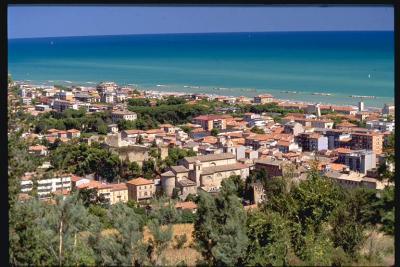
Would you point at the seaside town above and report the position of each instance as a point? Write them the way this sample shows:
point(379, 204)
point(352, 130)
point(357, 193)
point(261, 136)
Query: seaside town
point(122, 144)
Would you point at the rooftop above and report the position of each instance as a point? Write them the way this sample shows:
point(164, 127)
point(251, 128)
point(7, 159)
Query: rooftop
point(224, 168)
point(210, 157)
point(140, 181)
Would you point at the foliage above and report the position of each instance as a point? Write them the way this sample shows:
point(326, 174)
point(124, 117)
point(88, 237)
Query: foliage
point(257, 130)
point(220, 227)
point(82, 159)
point(180, 241)
point(175, 154)
point(269, 240)
point(214, 132)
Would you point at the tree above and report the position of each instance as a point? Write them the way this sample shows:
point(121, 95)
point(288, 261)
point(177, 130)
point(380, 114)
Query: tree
point(121, 245)
point(257, 130)
point(90, 197)
point(220, 227)
point(269, 239)
point(239, 185)
point(63, 222)
point(161, 236)
point(214, 132)
point(347, 232)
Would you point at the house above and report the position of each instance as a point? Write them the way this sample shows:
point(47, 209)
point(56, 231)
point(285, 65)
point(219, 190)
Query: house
point(209, 122)
point(293, 128)
point(263, 99)
point(187, 205)
point(140, 189)
point(118, 193)
point(112, 128)
point(116, 116)
point(38, 150)
point(73, 133)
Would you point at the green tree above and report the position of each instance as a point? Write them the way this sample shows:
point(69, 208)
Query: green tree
point(257, 130)
point(122, 244)
point(269, 239)
point(214, 132)
point(347, 232)
point(220, 227)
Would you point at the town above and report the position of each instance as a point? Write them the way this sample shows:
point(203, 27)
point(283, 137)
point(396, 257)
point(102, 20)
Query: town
point(348, 142)
point(120, 144)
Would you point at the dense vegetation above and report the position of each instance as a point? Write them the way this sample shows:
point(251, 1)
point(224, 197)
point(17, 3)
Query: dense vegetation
point(312, 223)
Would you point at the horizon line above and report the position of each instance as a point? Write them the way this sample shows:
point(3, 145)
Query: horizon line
point(183, 33)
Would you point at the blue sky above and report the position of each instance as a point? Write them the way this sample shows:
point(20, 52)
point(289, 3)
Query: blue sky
point(52, 21)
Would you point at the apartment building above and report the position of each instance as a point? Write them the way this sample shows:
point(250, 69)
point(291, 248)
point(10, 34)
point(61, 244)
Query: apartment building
point(358, 161)
point(312, 141)
point(209, 122)
point(61, 105)
point(369, 141)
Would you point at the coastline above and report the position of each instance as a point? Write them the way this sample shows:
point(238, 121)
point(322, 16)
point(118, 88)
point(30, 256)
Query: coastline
point(213, 92)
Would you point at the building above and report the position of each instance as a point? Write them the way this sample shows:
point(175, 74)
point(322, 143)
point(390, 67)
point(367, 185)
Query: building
point(73, 133)
point(361, 106)
point(273, 167)
point(42, 107)
point(38, 150)
point(293, 128)
point(140, 189)
point(47, 186)
point(210, 178)
point(106, 87)
point(112, 128)
point(388, 109)
point(369, 141)
point(350, 180)
point(209, 122)
point(358, 161)
point(312, 141)
point(108, 97)
point(66, 95)
point(258, 193)
point(61, 105)
point(116, 116)
point(118, 193)
point(381, 125)
point(263, 99)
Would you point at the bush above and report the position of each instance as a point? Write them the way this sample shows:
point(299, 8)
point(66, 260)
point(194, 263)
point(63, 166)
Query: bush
point(180, 241)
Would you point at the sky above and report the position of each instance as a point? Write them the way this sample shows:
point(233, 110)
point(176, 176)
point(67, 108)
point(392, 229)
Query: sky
point(56, 21)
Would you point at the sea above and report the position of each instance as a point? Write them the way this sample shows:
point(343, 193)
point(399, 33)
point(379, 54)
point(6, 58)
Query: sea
point(289, 65)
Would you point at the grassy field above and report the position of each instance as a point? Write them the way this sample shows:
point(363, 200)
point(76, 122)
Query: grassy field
point(379, 248)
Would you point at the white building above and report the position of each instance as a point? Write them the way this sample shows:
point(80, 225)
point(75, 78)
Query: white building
point(46, 186)
point(123, 115)
point(381, 125)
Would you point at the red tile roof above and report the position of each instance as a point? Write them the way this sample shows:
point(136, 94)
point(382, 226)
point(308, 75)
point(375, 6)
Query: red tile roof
point(140, 181)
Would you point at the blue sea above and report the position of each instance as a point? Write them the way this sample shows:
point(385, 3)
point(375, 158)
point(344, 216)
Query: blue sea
point(288, 65)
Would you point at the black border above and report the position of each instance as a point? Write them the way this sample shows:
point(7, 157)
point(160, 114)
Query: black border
point(4, 253)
